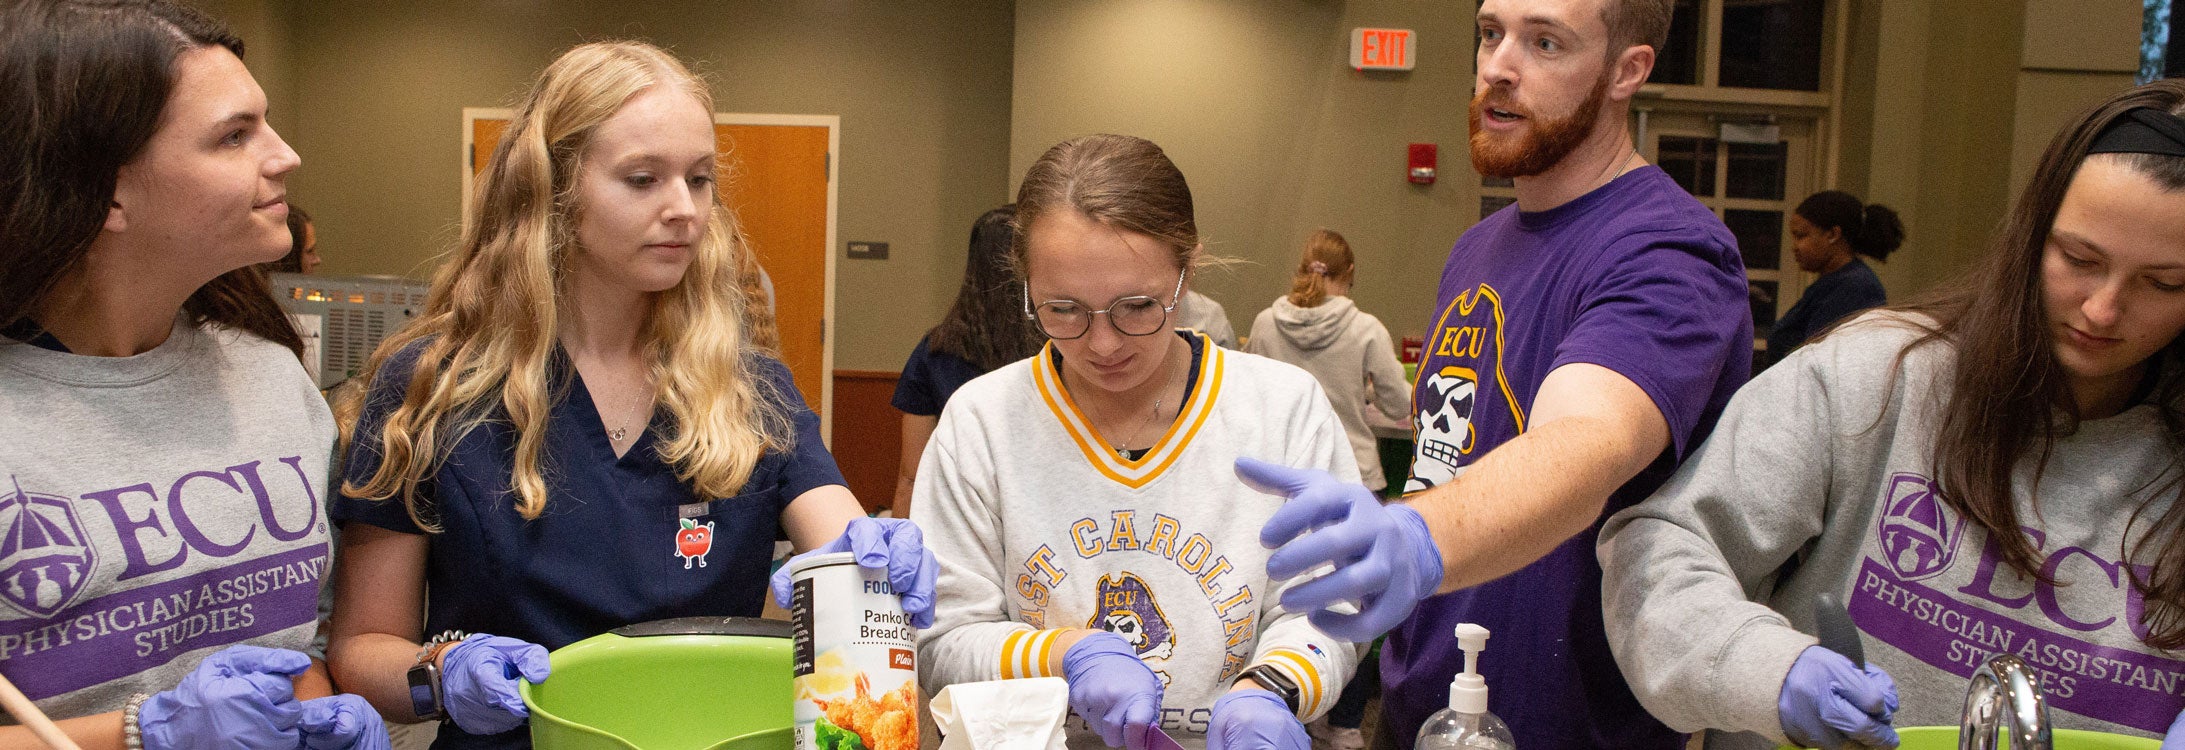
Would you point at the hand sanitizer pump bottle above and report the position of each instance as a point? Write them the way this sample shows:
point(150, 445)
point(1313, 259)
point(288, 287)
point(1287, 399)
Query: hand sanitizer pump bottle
point(1465, 724)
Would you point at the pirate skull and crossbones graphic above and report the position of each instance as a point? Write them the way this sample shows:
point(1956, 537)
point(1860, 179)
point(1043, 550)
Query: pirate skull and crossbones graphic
point(1444, 426)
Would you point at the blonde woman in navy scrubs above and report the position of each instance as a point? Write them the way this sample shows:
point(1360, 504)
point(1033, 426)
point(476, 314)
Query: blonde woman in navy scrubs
point(577, 434)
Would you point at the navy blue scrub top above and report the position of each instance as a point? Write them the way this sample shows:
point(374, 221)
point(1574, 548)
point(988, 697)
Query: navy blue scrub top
point(929, 378)
point(604, 552)
point(1837, 295)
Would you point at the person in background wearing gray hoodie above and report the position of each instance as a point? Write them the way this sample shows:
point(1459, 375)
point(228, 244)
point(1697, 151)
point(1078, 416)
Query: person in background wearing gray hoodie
point(1201, 313)
point(1318, 328)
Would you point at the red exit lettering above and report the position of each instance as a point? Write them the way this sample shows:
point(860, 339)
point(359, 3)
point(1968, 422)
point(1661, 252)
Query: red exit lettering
point(1382, 49)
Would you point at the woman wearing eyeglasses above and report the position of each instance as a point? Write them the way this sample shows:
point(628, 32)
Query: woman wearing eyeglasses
point(1083, 503)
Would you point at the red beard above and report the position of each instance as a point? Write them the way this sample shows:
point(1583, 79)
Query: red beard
point(1539, 147)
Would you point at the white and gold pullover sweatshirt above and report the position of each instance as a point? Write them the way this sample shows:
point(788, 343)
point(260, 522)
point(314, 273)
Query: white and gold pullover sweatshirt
point(1041, 528)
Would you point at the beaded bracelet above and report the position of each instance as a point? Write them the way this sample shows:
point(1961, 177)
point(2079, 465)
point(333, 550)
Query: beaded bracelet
point(132, 735)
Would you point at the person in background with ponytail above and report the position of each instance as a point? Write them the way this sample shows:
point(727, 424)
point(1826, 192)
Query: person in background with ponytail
point(1318, 328)
point(1831, 229)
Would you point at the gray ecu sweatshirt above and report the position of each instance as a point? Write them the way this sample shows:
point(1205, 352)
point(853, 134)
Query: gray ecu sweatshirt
point(155, 509)
point(1819, 479)
point(1348, 351)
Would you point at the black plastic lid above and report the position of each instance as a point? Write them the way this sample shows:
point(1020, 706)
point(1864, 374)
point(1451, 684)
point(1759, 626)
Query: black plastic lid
point(744, 626)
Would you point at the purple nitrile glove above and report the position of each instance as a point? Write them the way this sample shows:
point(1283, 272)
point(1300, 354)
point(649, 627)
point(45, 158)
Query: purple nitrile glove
point(241, 696)
point(892, 543)
point(1112, 689)
point(478, 682)
point(2175, 738)
point(1384, 557)
point(1827, 702)
point(1254, 719)
point(342, 722)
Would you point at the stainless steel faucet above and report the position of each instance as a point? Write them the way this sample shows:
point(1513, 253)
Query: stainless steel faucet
point(2004, 686)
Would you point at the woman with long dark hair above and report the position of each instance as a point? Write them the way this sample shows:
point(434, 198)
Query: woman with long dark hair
point(161, 533)
point(1994, 470)
point(1830, 230)
point(983, 331)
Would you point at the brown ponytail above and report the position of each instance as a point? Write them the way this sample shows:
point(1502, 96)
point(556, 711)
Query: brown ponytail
point(1327, 258)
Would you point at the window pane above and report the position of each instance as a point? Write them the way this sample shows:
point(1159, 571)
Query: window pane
point(1691, 162)
point(1763, 298)
point(1489, 204)
point(1759, 236)
point(1756, 170)
point(1772, 44)
point(1679, 61)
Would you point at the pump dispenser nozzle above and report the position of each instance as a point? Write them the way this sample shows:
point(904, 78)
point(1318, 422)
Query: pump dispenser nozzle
point(1466, 724)
point(1468, 692)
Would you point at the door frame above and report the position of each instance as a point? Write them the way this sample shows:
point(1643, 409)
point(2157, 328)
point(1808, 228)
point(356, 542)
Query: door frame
point(1790, 281)
point(833, 124)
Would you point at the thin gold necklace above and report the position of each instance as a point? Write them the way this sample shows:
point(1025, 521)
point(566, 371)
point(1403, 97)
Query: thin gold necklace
point(619, 433)
point(1122, 449)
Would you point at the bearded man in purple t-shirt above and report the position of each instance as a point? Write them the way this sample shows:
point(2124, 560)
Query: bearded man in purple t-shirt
point(1582, 342)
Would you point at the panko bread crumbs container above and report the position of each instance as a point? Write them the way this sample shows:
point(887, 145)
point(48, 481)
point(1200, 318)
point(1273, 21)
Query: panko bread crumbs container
point(856, 660)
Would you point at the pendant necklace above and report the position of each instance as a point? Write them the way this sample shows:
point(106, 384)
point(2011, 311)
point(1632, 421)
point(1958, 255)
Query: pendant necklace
point(617, 434)
point(1123, 452)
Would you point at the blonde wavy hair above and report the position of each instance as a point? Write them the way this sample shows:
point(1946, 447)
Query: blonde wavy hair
point(490, 323)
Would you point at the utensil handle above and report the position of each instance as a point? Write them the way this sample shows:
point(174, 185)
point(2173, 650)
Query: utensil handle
point(19, 706)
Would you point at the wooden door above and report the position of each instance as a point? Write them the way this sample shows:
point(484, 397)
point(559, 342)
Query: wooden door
point(775, 179)
point(777, 176)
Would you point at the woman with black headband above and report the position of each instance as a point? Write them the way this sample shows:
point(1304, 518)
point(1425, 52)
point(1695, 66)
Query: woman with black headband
point(1995, 469)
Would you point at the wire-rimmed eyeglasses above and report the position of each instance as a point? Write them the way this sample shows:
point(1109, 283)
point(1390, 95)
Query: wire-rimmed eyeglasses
point(1136, 315)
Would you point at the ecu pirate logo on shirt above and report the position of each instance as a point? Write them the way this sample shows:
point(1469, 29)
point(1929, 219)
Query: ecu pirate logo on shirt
point(1127, 609)
point(1463, 362)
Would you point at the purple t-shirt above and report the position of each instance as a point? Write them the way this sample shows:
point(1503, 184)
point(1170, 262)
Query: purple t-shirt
point(1637, 277)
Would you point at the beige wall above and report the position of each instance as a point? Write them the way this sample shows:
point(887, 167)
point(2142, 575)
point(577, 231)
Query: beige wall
point(945, 104)
point(922, 89)
point(1276, 134)
point(1952, 101)
point(2075, 55)
point(1929, 111)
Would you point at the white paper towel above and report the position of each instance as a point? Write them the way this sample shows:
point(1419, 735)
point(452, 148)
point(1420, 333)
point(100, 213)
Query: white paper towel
point(1003, 714)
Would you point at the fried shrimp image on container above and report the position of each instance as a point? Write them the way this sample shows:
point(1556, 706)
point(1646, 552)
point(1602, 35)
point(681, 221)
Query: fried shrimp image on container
point(890, 723)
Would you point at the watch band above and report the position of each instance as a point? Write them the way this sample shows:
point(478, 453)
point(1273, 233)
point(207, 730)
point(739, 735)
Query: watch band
point(424, 676)
point(431, 649)
point(1274, 681)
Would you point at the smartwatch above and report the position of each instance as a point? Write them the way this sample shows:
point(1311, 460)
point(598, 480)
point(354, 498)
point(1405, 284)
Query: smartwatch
point(1273, 681)
point(425, 699)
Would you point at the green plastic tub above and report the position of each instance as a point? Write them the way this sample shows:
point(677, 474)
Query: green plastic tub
point(1945, 738)
point(694, 683)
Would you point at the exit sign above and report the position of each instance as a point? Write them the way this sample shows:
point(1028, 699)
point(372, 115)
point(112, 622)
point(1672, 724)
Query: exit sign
point(1383, 49)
